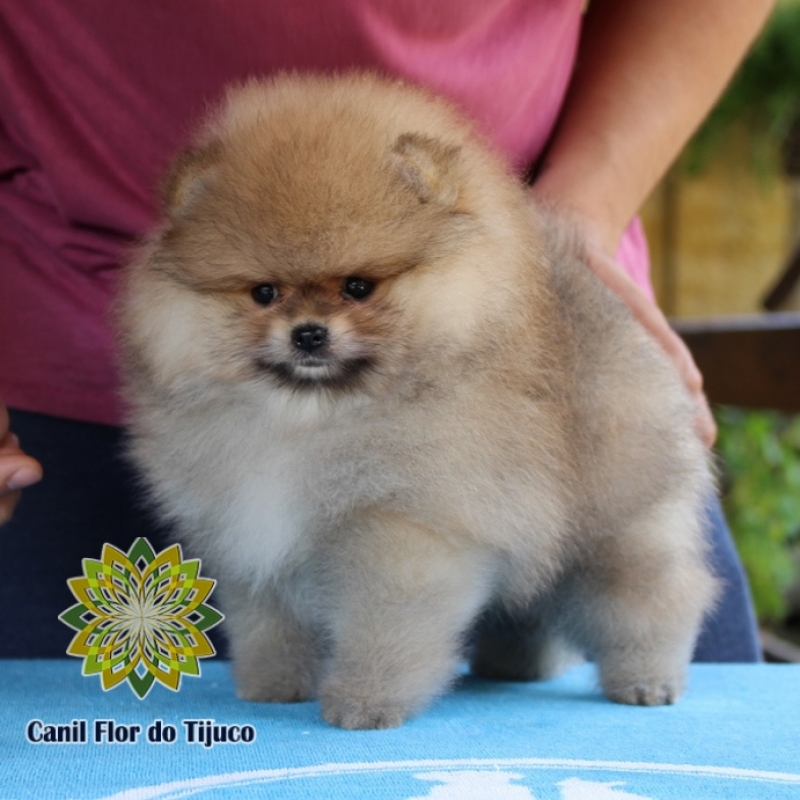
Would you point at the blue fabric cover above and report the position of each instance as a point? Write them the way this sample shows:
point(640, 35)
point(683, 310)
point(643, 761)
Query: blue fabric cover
point(736, 734)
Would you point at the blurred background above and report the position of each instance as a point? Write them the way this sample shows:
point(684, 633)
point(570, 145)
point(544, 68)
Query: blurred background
point(724, 232)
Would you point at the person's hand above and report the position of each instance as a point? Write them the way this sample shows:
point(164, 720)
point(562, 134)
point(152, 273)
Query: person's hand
point(17, 470)
point(600, 242)
point(651, 317)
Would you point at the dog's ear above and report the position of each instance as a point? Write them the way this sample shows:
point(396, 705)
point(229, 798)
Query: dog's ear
point(189, 176)
point(428, 166)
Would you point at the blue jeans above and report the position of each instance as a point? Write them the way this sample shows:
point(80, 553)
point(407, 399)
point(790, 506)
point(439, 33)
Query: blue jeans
point(88, 497)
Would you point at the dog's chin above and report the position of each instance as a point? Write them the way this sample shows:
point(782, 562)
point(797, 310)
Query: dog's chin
point(319, 374)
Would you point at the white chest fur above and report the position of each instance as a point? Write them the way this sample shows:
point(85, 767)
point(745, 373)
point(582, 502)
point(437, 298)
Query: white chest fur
point(240, 477)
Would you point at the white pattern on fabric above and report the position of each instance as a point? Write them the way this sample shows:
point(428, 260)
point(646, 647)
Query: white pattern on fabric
point(474, 785)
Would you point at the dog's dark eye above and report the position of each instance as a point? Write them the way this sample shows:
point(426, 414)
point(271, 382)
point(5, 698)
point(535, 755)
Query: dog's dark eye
point(264, 294)
point(357, 288)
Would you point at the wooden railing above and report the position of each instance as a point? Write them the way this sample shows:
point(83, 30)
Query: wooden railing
point(751, 361)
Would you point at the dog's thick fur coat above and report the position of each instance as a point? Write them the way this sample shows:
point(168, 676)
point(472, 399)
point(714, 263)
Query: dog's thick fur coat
point(485, 441)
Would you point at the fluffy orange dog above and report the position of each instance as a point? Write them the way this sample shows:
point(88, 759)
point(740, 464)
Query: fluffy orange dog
point(379, 392)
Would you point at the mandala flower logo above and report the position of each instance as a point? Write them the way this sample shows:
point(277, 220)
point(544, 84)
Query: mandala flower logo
point(141, 617)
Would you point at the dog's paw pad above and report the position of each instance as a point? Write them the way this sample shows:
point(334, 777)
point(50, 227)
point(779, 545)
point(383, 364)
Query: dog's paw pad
point(361, 713)
point(362, 719)
point(645, 693)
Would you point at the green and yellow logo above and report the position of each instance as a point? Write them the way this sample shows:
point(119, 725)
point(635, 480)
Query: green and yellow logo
point(141, 617)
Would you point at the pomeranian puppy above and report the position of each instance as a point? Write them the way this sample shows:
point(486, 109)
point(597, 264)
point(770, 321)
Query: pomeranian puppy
point(380, 393)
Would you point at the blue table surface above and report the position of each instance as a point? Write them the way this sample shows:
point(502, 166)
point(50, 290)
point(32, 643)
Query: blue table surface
point(735, 734)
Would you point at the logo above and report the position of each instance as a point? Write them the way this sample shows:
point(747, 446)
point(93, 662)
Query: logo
point(141, 617)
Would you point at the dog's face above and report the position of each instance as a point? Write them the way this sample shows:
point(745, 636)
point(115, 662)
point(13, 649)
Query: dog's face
point(310, 246)
point(314, 336)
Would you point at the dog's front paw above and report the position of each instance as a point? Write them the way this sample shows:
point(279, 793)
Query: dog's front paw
point(353, 708)
point(648, 692)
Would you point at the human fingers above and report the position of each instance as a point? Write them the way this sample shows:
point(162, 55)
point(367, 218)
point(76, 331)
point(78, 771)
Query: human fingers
point(17, 470)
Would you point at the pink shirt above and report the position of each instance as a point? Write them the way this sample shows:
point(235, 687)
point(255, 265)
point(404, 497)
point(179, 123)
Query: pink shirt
point(96, 96)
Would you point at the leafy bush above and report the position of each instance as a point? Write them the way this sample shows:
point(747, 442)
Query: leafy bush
point(760, 452)
point(763, 97)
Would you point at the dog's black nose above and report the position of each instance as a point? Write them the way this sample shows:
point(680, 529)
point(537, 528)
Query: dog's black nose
point(309, 337)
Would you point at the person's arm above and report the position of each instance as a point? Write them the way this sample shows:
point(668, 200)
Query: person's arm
point(647, 74)
point(17, 470)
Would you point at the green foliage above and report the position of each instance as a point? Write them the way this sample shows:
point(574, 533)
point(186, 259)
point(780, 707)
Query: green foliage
point(764, 96)
point(760, 452)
